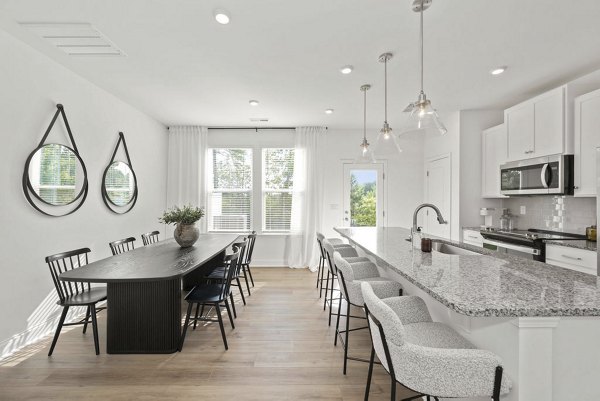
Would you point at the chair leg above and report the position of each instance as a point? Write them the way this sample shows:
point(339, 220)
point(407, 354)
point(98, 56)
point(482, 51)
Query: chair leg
point(331, 297)
point(196, 316)
point(187, 322)
point(370, 374)
point(95, 328)
point(319, 270)
point(347, 335)
point(239, 286)
point(247, 266)
point(233, 305)
point(393, 397)
point(229, 313)
point(326, 289)
point(63, 315)
point(247, 281)
point(221, 325)
point(87, 318)
point(321, 280)
point(337, 323)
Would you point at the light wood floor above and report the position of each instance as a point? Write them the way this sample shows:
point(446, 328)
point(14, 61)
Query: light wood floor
point(281, 349)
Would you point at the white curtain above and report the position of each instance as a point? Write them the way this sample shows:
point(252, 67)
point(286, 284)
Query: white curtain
point(186, 176)
point(307, 201)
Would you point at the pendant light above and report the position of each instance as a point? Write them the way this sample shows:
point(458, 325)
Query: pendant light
point(422, 115)
point(387, 143)
point(366, 154)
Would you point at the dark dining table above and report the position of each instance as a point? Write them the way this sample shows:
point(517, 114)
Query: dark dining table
point(144, 288)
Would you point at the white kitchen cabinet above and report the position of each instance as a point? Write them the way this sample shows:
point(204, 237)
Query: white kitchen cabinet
point(493, 153)
point(587, 139)
point(581, 260)
point(536, 127)
point(520, 131)
point(472, 237)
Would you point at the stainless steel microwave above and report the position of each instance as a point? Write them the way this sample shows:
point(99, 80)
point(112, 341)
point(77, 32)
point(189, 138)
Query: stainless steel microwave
point(549, 175)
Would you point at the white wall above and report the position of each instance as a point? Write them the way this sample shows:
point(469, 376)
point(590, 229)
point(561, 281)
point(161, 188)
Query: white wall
point(472, 123)
point(404, 177)
point(31, 86)
point(438, 145)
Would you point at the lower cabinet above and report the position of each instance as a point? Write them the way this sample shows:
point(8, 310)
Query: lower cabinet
point(580, 260)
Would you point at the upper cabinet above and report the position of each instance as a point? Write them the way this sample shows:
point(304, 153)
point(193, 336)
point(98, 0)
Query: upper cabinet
point(493, 151)
point(536, 127)
point(587, 139)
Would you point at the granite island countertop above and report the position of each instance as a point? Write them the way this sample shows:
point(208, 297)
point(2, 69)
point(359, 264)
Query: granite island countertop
point(484, 285)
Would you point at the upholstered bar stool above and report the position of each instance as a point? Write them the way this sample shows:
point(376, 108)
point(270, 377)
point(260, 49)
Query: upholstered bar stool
point(351, 256)
point(323, 260)
point(350, 276)
point(427, 357)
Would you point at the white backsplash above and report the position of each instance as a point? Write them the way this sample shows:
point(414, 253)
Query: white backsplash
point(556, 213)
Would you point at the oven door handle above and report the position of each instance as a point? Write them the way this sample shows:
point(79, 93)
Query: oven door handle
point(543, 176)
point(524, 249)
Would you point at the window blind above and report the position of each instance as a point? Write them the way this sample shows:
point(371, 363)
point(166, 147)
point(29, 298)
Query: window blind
point(57, 175)
point(230, 190)
point(278, 176)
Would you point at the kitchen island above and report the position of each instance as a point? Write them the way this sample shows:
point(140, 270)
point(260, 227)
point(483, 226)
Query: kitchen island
point(543, 320)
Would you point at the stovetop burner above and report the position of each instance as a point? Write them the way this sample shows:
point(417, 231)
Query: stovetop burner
point(532, 234)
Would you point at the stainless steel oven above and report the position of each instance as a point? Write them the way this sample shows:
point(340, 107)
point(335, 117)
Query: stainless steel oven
point(549, 175)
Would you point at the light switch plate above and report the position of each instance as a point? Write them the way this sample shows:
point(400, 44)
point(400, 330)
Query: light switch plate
point(523, 210)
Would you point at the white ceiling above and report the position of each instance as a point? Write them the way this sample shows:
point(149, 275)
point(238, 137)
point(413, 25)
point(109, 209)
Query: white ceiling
point(184, 68)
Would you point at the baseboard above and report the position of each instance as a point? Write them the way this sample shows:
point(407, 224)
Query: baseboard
point(268, 263)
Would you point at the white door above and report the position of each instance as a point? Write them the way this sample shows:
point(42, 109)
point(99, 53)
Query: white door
point(520, 128)
point(363, 195)
point(438, 187)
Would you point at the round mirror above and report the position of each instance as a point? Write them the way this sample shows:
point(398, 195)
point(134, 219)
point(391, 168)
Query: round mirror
point(56, 175)
point(120, 184)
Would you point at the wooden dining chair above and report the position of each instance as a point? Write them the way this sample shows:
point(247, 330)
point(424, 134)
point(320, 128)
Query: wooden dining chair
point(213, 294)
point(122, 245)
point(74, 293)
point(217, 274)
point(150, 238)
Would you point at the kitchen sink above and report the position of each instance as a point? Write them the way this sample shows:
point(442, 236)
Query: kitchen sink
point(448, 249)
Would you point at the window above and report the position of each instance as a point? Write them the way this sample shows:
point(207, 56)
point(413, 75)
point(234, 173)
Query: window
point(230, 190)
point(278, 176)
point(57, 167)
point(234, 204)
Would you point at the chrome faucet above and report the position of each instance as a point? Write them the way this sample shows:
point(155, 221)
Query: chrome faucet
point(440, 218)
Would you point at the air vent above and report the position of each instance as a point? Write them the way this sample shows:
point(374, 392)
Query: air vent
point(75, 39)
point(259, 120)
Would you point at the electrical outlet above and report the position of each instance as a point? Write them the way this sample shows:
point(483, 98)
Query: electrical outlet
point(523, 210)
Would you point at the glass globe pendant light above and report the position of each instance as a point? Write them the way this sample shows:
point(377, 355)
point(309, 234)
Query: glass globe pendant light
point(422, 115)
point(366, 154)
point(387, 143)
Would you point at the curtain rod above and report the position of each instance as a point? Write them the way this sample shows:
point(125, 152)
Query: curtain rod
point(254, 128)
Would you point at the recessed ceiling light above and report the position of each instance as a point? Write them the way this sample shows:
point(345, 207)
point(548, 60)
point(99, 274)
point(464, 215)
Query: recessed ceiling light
point(347, 69)
point(222, 17)
point(498, 70)
point(253, 102)
point(329, 111)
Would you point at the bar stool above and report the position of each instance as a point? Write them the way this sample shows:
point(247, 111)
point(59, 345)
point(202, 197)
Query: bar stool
point(322, 258)
point(427, 357)
point(351, 256)
point(350, 276)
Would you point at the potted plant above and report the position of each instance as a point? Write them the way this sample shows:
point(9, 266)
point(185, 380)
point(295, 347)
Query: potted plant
point(186, 233)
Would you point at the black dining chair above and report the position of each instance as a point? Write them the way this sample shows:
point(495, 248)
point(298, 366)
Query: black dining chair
point(247, 259)
point(213, 294)
point(75, 293)
point(217, 274)
point(150, 238)
point(122, 245)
